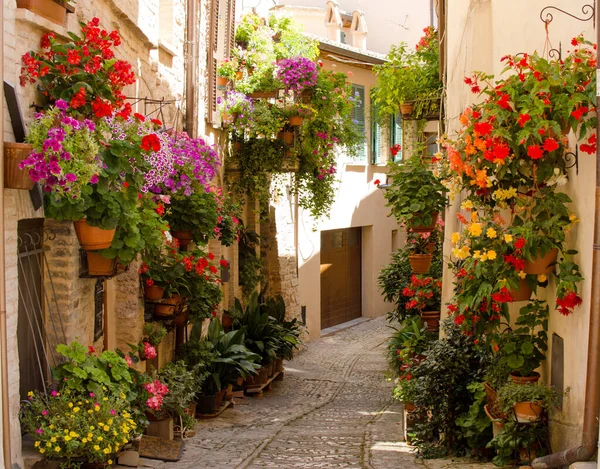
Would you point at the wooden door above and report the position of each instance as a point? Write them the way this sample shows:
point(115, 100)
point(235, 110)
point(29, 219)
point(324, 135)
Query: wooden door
point(341, 276)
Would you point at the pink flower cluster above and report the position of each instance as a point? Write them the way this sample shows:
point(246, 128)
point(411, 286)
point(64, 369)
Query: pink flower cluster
point(157, 391)
point(149, 351)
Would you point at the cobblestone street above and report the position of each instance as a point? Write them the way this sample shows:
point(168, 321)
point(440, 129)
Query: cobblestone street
point(333, 409)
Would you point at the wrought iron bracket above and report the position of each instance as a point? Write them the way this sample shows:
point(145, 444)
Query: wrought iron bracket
point(575, 156)
point(589, 12)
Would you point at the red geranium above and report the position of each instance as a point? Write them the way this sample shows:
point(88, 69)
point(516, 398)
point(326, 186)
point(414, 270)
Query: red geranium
point(150, 142)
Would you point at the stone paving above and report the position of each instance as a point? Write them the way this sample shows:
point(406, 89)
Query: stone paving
point(332, 410)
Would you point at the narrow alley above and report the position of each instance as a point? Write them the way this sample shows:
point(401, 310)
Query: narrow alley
point(334, 408)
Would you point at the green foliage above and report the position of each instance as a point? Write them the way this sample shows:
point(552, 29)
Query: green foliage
point(196, 213)
point(250, 263)
point(154, 333)
point(539, 393)
point(523, 349)
point(409, 339)
point(520, 440)
point(409, 76)
point(182, 384)
point(475, 425)
point(415, 194)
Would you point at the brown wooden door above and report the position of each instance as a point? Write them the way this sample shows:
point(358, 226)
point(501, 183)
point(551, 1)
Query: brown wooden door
point(341, 277)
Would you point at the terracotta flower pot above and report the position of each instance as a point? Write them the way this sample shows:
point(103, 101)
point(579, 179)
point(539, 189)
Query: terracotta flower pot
point(191, 409)
point(432, 319)
point(53, 11)
point(286, 137)
point(542, 265)
point(92, 238)
point(406, 109)
point(15, 178)
point(181, 318)
point(426, 228)
point(517, 379)
point(497, 427)
point(409, 407)
point(164, 309)
point(430, 247)
point(239, 75)
point(527, 412)
point(185, 237)
point(153, 292)
point(523, 293)
point(279, 364)
point(100, 266)
point(226, 321)
point(296, 121)
point(420, 263)
point(222, 82)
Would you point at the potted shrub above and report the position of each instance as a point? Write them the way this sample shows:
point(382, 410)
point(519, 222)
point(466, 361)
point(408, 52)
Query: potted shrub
point(193, 217)
point(525, 402)
point(227, 71)
point(198, 356)
point(522, 349)
point(410, 78)
point(99, 426)
point(415, 196)
point(183, 384)
point(161, 272)
point(423, 295)
point(419, 254)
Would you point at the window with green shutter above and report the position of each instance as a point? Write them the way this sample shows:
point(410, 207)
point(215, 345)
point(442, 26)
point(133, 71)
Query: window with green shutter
point(376, 140)
point(358, 116)
point(396, 135)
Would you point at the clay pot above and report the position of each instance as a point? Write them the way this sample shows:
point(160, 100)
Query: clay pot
point(286, 137)
point(153, 292)
point(100, 266)
point(420, 263)
point(409, 407)
point(15, 178)
point(222, 82)
point(185, 237)
point(426, 228)
point(279, 364)
point(226, 321)
point(49, 9)
point(406, 109)
point(432, 319)
point(191, 409)
point(92, 238)
point(219, 397)
point(497, 427)
point(542, 265)
point(534, 378)
point(263, 375)
point(164, 309)
point(239, 75)
point(430, 247)
point(523, 293)
point(527, 412)
point(206, 404)
point(296, 121)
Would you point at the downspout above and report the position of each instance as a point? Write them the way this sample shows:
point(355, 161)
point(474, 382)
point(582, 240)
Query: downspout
point(6, 449)
point(592, 386)
point(190, 69)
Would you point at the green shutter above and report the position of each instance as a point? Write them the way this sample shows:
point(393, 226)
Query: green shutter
point(376, 142)
point(396, 134)
point(358, 116)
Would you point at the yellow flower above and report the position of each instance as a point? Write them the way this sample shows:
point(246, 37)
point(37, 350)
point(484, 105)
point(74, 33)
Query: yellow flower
point(476, 254)
point(51, 427)
point(508, 238)
point(76, 409)
point(97, 448)
point(115, 433)
point(109, 462)
point(42, 450)
point(90, 411)
point(124, 440)
point(66, 431)
point(522, 274)
point(90, 436)
point(84, 440)
point(572, 217)
point(36, 444)
point(106, 428)
point(68, 438)
point(491, 233)
point(123, 396)
point(70, 405)
point(73, 434)
point(484, 257)
point(57, 449)
point(99, 438)
point(475, 229)
point(105, 398)
point(92, 427)
point(106, 450)
point(110, 421)
point(30, 393)
point(48, 445)
point(104, 388)
point(467, 205)
point(542, 278)
point(53, 439)
point(97, 408)
point(491, 254)
point(455, 237)
point(474, 216)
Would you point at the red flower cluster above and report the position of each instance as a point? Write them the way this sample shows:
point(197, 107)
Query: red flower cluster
point(503, 296)
point(518, 264)
point(150, 142)
point(394, 150)
point(591, 146)
point(568, 301)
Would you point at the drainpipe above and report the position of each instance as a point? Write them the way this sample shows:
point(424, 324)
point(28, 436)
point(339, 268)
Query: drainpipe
point(589, 443)
point(6, 450)
point(190, 69)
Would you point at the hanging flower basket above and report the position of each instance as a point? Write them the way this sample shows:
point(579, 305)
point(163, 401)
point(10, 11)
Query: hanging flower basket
point(185, 237)
point(92, 238)
point(15, 178)
point(420, 263)
point(153, 292)
point(406, 109)
point(100, 266)
point(542, 265)
point(296, 121)
point(523, 293)
point(222, 82)
point(426, 228)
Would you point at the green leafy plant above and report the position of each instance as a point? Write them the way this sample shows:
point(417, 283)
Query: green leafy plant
point(228, 68)
point(182, 383)
point(538, 393)
point(250, 263)
point(475, 424)
point(196, 213)
point(519, 442)
point(154, 333)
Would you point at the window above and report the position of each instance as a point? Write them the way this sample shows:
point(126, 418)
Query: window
point(213, 45)
point(396, 135)
point(430, 139)
point(342, 37)
point(358, 116)
point(376, 137)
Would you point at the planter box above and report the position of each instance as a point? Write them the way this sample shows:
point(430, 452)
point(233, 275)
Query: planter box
point(49, 9)
point(161, 428)
point(15, 178)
